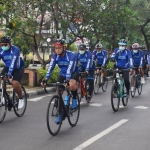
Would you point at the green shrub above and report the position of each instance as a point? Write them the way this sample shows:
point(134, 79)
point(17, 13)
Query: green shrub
point(54, 75)
point(2, 65)
point(27, 63)
point(110, 65)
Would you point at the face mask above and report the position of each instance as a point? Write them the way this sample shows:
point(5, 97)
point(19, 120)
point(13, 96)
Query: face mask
point(5, 48)
point(135, 51)
point(121, 48)
point(81, 52)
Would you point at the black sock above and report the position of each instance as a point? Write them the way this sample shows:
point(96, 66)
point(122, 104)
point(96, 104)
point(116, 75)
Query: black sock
point(74, 94)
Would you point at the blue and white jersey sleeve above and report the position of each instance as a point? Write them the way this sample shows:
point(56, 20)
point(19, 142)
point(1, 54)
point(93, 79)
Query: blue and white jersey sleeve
point(51, 66)
point(89, 61)
point(113, 56)
point(105, 58)
point(72, 64)
point(130, 58)
point(95, 56)
point(142, 57)
point(148, 59)
point(15, 59)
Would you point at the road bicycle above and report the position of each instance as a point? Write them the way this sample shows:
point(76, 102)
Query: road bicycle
point(9, 101)
point(57, 106)
point(118, 90)
point(136, 80)
point(99, 81)
point(83, 86)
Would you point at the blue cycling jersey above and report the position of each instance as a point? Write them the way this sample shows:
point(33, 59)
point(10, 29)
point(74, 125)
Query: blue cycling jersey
point(100, 57)
point(85, 60)
point(145, 54)
point(65, 63)
point(123, 58)
point(12, 59)
point(137, 58)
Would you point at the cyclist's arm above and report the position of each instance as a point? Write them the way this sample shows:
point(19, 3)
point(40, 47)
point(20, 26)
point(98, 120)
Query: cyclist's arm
point(71, 66)
point(141, 60)
point(51, 66)
point(89, 61)
point(105, 59)
point(15, 61)
point(130, 60)
point(148, 59)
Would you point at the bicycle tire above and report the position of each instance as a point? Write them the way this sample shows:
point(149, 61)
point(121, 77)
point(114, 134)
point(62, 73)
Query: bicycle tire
point(79, 91)
point(104, 85)
point(140, 87)
point(124, 99)
point(19, 112)
point(87, 89)
point(52, 111)
point(96, 83)
point(74, 114)
point(3, 109)
point(116, 92)
point(133, 92)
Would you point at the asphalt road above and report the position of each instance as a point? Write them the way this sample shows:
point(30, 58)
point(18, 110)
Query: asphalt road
point(98, 126)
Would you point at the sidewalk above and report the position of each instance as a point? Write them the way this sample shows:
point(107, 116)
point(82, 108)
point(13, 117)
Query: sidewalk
point(34, 91)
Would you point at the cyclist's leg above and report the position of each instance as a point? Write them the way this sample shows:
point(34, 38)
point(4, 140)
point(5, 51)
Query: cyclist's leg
point(90, 79)
point(73, 88)
point(127, 82)
point(132, 80)
point(3, 72)
point(60, 89)
point(147, 69)
point(141, 72)
point(17, 76)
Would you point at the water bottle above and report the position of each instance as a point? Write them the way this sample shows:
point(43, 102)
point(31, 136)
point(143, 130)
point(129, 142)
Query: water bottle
point(66, 99)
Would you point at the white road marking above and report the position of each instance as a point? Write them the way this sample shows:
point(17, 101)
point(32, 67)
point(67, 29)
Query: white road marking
point(121, 106)
point(141, 107)
point(95, 104)
point(38, 98)
point(100, 135)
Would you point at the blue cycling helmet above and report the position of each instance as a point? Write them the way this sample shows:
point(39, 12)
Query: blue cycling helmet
point(122, 42)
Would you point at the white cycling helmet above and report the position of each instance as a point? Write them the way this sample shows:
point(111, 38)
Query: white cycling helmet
point(98, 45)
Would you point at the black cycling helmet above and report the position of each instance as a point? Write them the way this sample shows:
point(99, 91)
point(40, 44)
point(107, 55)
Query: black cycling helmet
point(143, 47)
point(122, 42)
point(5, 39)
point(82, 46)
point(98, 45)
point(59, 42)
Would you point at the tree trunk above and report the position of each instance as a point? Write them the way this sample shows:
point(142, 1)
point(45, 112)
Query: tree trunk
point(145, 36)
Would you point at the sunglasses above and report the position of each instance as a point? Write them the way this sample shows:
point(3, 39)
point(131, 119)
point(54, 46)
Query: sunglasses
point(4, 44)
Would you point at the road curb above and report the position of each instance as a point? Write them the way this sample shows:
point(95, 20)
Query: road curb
point(39, 91)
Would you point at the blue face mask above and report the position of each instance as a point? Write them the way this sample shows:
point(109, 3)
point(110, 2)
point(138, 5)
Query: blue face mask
point(5, 48)
point(81, 52)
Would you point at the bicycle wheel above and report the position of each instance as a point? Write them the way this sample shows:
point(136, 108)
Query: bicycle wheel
point(52, 113)
point(96, 83)
point(3, 109)
point(139, 85)
point(115, 97)
point(133, 92)
point(124, 99)
point(74, 113)
point(19, 111)
point(79, 91)
point(104, 85)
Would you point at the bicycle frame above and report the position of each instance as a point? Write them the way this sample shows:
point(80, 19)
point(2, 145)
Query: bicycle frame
point(84, 93)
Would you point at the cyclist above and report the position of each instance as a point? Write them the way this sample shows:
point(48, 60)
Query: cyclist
point(123, 60)
point(145, 61)
point(65, 60)
point(101, 57)
point(137, 57)
point(84, 61)
point(14, 65)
